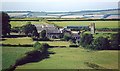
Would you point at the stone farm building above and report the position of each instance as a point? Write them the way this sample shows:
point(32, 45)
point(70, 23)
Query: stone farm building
point(51, 30)
point(54, 32)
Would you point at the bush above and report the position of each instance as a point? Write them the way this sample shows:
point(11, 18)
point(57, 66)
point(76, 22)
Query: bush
point(44, 47)
point(114, 41)
point(41, 39)
point(101, 43)
point(86, 39)
point(73, 46)
point(37, 45)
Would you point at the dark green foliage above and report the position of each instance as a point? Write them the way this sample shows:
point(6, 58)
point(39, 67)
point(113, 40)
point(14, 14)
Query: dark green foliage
point(101, 43)
point(86, 39)
point(108, 29)
point(73, 46)
point(44, 47)
point(37, 45)
point(67, 37)
point(41, 47)
point(61, 35)
point(115, 42)
point(43, 34)
point(33, 56)
point(30, 30)
point(41, 39)
point(15, 29)
point(5, 23)
point(73, 40)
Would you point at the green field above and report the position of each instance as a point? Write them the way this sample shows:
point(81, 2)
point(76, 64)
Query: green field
point(20, 23)
point(98, 24)
point(64, 58)
point(75, 58)
point(18, 41)
point(10, 54)
point(28, 40)
point(57, 43)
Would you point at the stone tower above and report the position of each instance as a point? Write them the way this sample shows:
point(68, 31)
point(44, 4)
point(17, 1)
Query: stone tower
point(92, 28)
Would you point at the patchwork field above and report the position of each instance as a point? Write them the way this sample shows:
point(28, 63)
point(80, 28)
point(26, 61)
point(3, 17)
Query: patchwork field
point(64, 58)
point(10, 54)
point(76, 58)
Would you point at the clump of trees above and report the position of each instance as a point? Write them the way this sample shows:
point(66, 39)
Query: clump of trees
point(100, 43)
point(30, 30)
point(68, 37)
point(115, 42)
point(6, 27)
point(107, 29)
point(42, 36)
point(86, 39)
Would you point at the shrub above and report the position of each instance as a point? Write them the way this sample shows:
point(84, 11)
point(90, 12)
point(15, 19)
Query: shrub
point(44, 47)
point(101, 43)
point(114, 41)
point(86, 39)
point(73, 46)
point(37, 45)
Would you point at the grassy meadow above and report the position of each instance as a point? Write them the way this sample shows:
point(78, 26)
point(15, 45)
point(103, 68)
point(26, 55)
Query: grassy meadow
point(11, 54)
point(18, 41)
point(64, 58)
point(21, 23)
point(75, 58)
point(28, 40)
point(99, 24)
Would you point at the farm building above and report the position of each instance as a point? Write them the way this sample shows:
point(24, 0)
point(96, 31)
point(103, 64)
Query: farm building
point(51, 30)
point(77, 27)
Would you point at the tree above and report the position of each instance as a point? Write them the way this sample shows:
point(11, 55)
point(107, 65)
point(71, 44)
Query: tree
point(5, 23)
point(30, 30)
point(43, 34)
point(67, 36)
point(86, 39)
point(114, 42)
point(101, 43)
point(37, 45)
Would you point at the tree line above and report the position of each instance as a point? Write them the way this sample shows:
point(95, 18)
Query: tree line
point(100, 43)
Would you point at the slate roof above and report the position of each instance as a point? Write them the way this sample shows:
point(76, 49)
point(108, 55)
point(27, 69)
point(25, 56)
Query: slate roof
point(50, 28)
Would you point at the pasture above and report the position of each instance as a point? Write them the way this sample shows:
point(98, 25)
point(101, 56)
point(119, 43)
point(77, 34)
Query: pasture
point(21, 23)
point(98, 24)
point(28, 41)
point(75, 58)
point(64, 58)
point(11, 54)
point(18, 41)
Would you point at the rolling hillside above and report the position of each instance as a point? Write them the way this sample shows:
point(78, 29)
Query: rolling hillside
point(87, 14)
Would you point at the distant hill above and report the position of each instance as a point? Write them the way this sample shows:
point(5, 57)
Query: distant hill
point(90, 14)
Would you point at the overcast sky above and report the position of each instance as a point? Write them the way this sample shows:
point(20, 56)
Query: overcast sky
point(57, 5)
